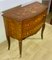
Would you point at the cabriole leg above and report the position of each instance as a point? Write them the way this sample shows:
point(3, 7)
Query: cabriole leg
point(43, 27)
point(20, 48)
point(8, 39)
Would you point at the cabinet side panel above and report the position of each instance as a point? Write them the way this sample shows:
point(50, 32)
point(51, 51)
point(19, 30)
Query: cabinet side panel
point(13, 28)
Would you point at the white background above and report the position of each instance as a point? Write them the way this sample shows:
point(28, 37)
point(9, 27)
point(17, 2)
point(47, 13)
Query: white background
point(6, 4)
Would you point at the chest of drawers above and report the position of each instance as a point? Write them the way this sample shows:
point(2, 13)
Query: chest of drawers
point(21, 22)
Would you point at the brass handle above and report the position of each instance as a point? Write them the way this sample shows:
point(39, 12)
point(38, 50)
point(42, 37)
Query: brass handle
point(44, 15)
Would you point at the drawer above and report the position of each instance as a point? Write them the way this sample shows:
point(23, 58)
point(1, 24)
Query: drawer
point(33, 22)
point(32, 25)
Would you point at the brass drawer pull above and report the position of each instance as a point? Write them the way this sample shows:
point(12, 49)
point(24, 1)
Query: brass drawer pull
point(44, 15)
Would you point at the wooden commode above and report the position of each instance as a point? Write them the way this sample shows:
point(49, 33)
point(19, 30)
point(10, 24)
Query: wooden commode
point(21, 22)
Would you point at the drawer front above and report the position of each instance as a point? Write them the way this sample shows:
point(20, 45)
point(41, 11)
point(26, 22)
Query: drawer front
point(32, 25)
